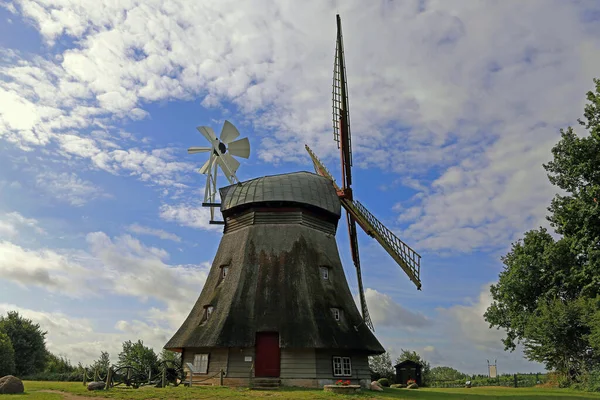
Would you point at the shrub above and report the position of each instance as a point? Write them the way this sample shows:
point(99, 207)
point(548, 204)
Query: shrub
point(74, 376)
point(385, 382)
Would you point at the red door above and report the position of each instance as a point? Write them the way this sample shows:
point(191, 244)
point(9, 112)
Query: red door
point(267, 354)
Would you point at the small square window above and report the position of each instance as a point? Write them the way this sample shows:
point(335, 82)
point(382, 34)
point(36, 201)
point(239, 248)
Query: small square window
point(324, 272)
point(225, 271)
point(208, 310)
point(336, 313)
point(342, 366)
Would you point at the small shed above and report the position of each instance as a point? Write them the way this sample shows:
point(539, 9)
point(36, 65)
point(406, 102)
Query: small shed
point(408, 370)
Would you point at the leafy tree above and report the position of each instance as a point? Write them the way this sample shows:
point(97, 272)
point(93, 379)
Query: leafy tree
point(139, 356)
point(381, 366)
point(446, 374)
point(57, 364)
point(546, 296)
point(102, 364)
point(7, 355)
point(414, 356)
point(28, 341)
point(167, 355)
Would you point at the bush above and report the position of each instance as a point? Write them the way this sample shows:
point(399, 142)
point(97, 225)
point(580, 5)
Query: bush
point(385, 382)
point(74, 376)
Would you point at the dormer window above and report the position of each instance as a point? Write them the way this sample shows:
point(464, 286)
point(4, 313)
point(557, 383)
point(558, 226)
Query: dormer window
point(324, 273)
point(224, 272)
point(337, 313)
point(208, 310)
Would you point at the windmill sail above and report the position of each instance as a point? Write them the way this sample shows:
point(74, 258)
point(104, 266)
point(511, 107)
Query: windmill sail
point(341, 108)
point(408, 259)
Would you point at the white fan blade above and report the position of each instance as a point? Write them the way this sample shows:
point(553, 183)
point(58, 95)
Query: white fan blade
point(194, 150)
point(229, 132)
point(240, 148)
point(208, 133)
point(231, 163)
point(206, 166)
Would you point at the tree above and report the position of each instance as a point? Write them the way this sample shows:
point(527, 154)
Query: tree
point(57, 364)
point(446, 374)
point(28, 341)
point(415, 357)
point(102, 364)
point(7, 355)
point(138, 356)
point(546, 297)
point(381, 366)
point(167, 355)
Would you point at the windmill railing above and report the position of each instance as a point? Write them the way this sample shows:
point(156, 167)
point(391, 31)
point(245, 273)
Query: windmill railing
point(406, 257)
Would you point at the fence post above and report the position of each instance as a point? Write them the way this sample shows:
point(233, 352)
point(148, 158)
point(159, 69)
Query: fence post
point(515, 378)
point(221, 377)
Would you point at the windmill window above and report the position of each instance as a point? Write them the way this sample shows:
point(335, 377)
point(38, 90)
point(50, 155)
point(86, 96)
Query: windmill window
point(324, 272)
point(337, 314)
point(208, 310)
point(224, 272)
point(342, 366)
point(201, 363)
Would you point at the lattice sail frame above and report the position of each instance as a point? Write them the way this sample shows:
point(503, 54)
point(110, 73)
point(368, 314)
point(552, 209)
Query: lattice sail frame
point(340, 103)
point(408, 259)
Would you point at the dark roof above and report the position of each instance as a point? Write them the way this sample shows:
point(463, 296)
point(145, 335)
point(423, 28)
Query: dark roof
point(293, 188)
point(407, 363)
point(274, 284)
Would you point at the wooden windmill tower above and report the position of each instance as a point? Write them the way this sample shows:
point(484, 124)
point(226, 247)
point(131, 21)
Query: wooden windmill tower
point(276, 307)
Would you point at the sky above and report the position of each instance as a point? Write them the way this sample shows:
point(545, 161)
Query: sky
point(454, 107)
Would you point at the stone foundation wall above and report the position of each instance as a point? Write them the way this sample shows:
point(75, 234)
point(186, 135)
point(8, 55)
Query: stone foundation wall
point(299, 382)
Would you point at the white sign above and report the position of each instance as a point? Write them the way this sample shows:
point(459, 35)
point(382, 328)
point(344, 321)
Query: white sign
point(493, 371)
point(248, 359)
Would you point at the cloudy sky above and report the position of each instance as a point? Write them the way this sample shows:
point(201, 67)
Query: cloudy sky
point(454, 107)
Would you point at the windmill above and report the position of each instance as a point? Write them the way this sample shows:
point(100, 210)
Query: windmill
point(222, 149)
point(276, 307)
point(408, 259)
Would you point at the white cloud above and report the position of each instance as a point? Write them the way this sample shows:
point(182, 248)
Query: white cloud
point(192, 215)
point(69, 188)
point(122, 266)
point(144, 230)
point(469, 325)
point(385, 312)
point(42, 268)
point(11, 223)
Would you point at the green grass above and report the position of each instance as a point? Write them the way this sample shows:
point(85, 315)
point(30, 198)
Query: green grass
point(73, 389)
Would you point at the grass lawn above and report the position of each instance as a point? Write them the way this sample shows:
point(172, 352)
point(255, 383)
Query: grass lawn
point(73, 391)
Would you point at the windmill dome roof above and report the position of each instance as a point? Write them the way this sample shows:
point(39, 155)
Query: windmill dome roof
point(294, 188)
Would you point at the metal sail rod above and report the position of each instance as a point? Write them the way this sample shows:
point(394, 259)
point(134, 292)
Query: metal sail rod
point(356, 259)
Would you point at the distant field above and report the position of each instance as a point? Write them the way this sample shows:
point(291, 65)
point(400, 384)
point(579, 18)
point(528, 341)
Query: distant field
point(74, 391)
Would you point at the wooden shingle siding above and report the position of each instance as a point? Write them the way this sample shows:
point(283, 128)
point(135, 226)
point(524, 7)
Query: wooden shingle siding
point(298, 363)
point(217, 359)
point(238, 367)
point(324, 364)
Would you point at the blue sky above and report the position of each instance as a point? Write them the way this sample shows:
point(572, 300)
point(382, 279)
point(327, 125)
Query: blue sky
point(454, 107)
